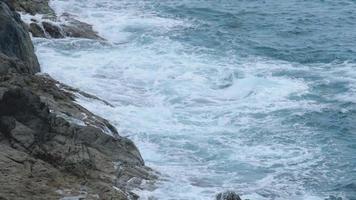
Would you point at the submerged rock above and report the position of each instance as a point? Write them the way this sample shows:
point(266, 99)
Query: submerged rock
point(15, 44)
point(228, 195)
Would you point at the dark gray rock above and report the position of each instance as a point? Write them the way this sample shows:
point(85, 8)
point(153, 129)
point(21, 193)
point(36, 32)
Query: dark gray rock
point(78, 29)
point(228, 195)
point(36, 30)
point(32, 7)
point(53, 30)
point(12, 65)
point(40, 134)
point(15, 43)
point(71, 27)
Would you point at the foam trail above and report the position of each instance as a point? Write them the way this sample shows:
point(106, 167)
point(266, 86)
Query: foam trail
point(205, 116)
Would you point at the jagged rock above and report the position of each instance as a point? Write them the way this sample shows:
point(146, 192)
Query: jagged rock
point(32, 124)
point(228, 195)
point(36, 30)
point(53, 30)
point(32, 7)
point(78, 29)
point(15, 43)
point(51, 147)
point(70, 28)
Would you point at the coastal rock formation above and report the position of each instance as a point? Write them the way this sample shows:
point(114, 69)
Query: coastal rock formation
point(71, 28)
point(36, 30)
point(65, 26)
point(53, 27)
point(16, 48)
point(51, 147)
point(228, 195)
point(32, 7)
point(76, 28)
point(39, 125)
point(52, 30)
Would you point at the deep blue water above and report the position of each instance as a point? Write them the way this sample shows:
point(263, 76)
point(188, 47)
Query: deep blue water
point(253, 96)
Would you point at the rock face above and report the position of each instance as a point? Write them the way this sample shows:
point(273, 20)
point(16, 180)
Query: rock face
point(32, 6)
point(15, 44)
point(228, 195)
point(46, 145)
point(51, 147)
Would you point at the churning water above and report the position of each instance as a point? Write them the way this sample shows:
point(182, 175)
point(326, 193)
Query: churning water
point(256, 96)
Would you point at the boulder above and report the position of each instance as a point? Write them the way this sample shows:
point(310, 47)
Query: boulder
point(228, 195)
point(36, 30)
point(15, 43)
point(78, 29)
point(53, 30)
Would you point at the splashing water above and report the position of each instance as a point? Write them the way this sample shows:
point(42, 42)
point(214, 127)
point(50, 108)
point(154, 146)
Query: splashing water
point(253, 96)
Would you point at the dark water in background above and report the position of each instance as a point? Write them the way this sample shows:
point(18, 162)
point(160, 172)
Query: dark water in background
point(255, 96)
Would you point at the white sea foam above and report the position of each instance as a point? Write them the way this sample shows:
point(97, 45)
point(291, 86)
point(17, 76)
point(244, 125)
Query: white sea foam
point(207, 124)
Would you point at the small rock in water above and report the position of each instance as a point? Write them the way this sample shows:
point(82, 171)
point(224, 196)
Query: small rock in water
point(36, 30)
point(228, 195)
point(53, 30)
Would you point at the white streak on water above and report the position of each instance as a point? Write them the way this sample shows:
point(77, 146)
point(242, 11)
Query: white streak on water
point(206, 123)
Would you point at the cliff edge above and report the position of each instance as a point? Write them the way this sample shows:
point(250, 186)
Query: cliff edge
point(51, 147)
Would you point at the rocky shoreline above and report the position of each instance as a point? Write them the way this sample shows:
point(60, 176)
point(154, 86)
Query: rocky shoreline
point(51, 147)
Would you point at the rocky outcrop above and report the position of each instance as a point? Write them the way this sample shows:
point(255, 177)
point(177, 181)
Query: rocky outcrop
point(16, 47)
point(76, 28)
point(228, 195)
point(51, 147)
point(60, 145)
point(52, 27)
point(52, 30)
point(32, 7)
point(36, 30)
point(65, 26)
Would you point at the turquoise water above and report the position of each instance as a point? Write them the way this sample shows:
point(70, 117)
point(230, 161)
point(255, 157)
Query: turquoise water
point(254, 96)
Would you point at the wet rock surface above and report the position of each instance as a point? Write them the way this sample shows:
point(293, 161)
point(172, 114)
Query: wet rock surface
point(228, 195)
point(53, 30)
point(65, 25)
point(36, 30)
point(78, 29)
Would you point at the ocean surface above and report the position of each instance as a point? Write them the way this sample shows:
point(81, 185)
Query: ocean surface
point(255, 96)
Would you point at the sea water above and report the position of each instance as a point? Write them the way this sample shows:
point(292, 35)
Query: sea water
point(253, 96)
